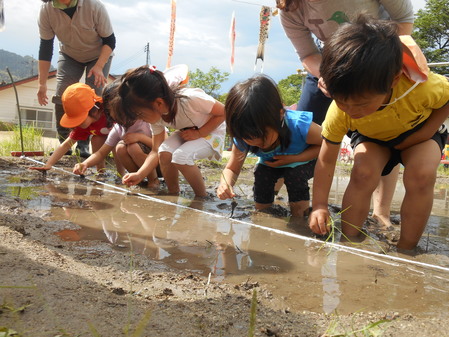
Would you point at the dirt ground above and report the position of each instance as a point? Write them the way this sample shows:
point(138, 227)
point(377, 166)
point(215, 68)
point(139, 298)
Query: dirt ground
point(49, 287)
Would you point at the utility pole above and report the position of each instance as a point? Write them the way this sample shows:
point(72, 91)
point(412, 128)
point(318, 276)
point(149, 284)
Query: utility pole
point(147, 50)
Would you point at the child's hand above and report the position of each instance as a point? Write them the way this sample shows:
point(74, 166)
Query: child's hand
point(41, 168)
point(131, 138)
point(224, 191)
point(278, 161)
point(80, 169)
point(131, 179)
point(318, 221)
point(190, 134)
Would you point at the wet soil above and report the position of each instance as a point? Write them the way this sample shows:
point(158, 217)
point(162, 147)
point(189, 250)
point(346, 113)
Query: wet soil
point(51, 287)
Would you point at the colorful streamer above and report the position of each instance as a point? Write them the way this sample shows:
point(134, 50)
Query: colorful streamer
point(265, 14)
point(171, 40)
point(232, 40)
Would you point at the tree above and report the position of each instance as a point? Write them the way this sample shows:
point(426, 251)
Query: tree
point(432, 32)
point(290, 89)
point(210, 82)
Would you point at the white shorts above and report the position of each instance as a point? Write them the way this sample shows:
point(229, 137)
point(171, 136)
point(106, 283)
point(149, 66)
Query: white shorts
point(185, 153)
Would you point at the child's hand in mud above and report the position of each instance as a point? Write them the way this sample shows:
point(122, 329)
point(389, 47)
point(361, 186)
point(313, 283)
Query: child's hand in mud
point(319, 220)
point(131, 179)
point(224, 191)
point(40, 168)
point(80, 169)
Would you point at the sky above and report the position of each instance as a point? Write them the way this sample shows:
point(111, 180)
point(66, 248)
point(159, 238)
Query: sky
point(201, 36)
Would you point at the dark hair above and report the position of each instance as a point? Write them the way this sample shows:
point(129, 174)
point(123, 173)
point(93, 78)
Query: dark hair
point(361, 57)
point(139, 88)
point(109, 92)
point(251, 107)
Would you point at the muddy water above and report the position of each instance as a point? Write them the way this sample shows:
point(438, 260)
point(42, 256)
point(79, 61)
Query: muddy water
point(200, 237)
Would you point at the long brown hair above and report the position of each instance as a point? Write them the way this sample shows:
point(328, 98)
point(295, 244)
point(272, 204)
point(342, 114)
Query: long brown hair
point(139, 88)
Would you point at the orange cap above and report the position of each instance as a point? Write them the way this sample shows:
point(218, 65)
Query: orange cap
point(77, 101)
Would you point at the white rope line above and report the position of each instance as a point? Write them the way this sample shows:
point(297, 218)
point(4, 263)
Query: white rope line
point(352, 250)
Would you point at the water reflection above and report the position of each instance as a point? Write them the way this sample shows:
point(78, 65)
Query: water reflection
point(182, 234)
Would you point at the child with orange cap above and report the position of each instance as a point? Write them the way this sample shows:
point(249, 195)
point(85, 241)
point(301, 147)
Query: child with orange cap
point(85, 114)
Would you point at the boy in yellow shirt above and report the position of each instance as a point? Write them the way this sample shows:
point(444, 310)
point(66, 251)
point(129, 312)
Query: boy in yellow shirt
point(393, 120)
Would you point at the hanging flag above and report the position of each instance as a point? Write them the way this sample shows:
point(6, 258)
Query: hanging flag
point(2, 17)
point(265, 14)
point(232, 40)
point(172, 33)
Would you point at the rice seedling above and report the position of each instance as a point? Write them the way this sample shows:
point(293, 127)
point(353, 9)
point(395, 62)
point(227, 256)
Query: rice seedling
point(252, 317)
point(335, 231)
point(338, 329)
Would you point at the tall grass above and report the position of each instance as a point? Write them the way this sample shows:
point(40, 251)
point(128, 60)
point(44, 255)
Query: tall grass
point(32, 140)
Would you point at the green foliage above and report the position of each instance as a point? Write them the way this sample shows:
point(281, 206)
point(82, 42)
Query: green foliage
point(210, 82)
point(432, 32)
point(290, 89)
point(32, 140)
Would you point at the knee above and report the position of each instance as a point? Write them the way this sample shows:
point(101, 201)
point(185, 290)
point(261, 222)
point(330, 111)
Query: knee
point(419, 179)
point(165, 158)
point(365, 176)
point(134, 149)
point(120, 149)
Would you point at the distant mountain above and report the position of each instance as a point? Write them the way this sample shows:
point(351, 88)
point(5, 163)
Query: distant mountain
point(20, 66)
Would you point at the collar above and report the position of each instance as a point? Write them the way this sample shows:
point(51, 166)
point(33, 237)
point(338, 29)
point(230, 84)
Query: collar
point(57, 4)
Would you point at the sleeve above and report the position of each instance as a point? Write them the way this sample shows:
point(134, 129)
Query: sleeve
point(113, 136)
point(110, 41)
point(43, 21)
point(299, 35)
point(438, 88)
point(335, 125)
point(46, 50)
point(241, 145)
point(157, 128)
point(200, 101)
point(79, 134)
point(103, 22)
point(399, 10)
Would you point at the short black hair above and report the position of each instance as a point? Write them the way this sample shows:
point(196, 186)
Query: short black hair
point(362, 57)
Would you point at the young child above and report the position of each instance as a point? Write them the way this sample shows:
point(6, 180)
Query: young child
point(84, 113)
point(393, 120)
point(129, 145)
point(286, 142)
point(197, 118)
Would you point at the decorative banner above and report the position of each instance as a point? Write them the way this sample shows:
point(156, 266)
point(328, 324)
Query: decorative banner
point(232, 40)
point(2, 16)
point(265, 14)
point(172, 33)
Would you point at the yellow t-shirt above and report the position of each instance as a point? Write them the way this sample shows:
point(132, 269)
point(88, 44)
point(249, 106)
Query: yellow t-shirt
point(395, 119)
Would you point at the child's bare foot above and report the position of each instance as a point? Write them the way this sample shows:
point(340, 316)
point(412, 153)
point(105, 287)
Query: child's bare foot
point(383, 220)
point(153, 184)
